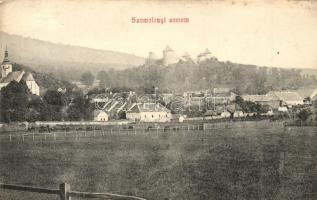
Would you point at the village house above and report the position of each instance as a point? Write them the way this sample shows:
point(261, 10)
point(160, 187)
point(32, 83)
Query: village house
point(178, 118)
point(218, 112)
point(148, 112)
point(100, 116)
point(7, 76)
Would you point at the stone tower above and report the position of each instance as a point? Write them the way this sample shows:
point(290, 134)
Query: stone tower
point(169, 56)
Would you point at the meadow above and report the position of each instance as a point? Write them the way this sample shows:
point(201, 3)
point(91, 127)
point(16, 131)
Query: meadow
point(240, 162)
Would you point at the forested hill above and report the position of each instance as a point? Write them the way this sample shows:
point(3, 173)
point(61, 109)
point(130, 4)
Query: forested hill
point(185, 76)
point(63, 60)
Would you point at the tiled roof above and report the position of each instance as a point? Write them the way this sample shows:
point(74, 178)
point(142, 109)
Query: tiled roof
point(12, 76)
point(260, 98)
point(313, 96)
point(147, 107)
point(309, 92)
point(97, 112)
point(221, 90)
point(28, 76)
point(286, 95)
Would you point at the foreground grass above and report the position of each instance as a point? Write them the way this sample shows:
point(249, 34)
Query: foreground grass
point(234, 163)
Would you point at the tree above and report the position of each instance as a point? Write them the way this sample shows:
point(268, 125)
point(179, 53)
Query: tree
point(14, 102)
point(87, 78)
point(76, 110)
point(303, 115)
point(104, 79)
point(53, 97)
point(53, 105)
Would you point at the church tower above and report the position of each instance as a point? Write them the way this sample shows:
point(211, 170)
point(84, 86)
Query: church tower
point(6, 66)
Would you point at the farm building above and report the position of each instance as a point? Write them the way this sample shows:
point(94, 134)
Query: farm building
point(308, 93)
point(287, 98)
point(149, 112)
point(221, 96)
point(264, 100)
point(100, 115)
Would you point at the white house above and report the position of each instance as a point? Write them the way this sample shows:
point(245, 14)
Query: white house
point(100, 116)
point(148, 112)
point(7, 75)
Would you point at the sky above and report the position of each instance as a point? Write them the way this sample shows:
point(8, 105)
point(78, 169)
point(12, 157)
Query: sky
point(266, 33)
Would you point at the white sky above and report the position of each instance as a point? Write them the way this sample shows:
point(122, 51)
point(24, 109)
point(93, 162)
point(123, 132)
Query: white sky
point(250, 33)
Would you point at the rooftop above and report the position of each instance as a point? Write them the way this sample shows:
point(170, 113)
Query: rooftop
point(147, 107)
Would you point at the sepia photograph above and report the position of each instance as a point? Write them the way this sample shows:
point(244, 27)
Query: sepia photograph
point(158, 99)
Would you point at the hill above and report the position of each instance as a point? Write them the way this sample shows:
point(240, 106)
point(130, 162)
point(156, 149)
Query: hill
point(186, 76)
point(64, 61)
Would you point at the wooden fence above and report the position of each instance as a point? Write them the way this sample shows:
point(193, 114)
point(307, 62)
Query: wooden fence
point(66, 193)
point(98, 132)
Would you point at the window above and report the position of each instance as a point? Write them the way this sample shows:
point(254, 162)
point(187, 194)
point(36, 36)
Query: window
point(152, 116)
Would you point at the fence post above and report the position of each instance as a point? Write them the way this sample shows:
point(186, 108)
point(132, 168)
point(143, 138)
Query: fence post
point(64, 188)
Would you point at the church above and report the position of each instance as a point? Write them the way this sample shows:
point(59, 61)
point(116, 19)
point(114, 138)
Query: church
point(7, 75)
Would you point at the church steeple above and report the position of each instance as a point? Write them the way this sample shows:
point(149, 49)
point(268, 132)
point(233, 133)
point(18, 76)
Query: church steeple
point(6, 56)
point(6, 66)
point(6, 52)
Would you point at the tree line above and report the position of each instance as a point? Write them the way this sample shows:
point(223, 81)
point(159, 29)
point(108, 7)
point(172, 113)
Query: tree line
point(185, 76)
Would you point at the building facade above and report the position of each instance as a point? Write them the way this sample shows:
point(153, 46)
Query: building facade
point(100, 116)
point(149, 112)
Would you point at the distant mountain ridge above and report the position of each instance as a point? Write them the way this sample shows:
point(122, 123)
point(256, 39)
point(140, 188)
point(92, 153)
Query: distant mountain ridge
point(62, 59)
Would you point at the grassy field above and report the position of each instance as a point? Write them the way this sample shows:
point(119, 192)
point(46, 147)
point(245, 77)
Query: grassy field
point(231, 163)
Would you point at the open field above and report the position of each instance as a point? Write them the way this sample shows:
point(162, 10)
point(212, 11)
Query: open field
point(243, 162)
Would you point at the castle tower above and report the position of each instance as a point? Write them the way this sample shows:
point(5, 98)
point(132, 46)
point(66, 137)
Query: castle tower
point(6, 66)
point(151, 59)
point(169, 56)
point(186, 57)
point(204, 56)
